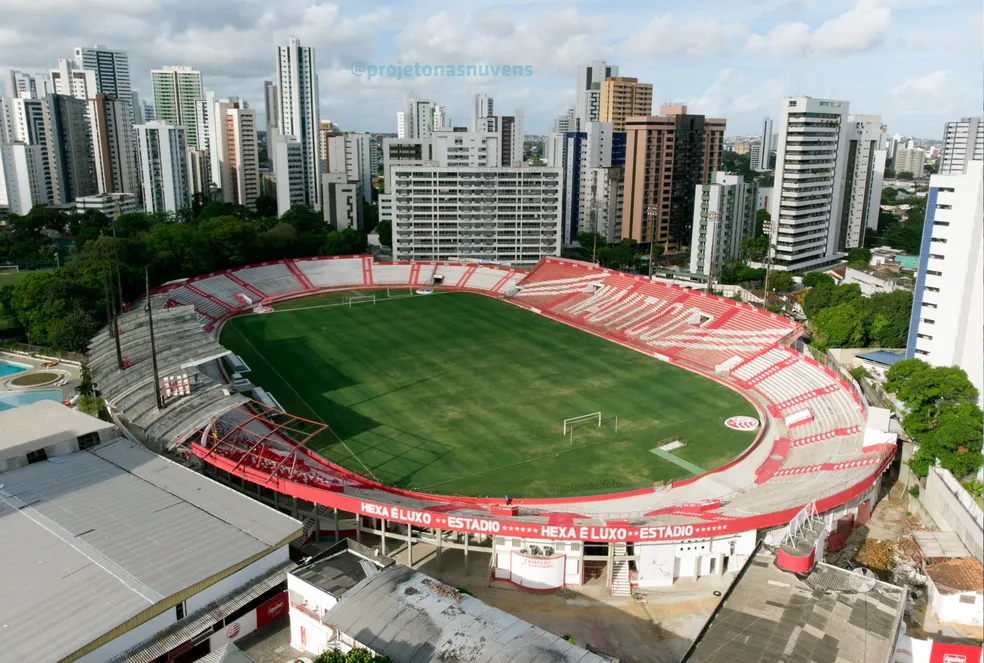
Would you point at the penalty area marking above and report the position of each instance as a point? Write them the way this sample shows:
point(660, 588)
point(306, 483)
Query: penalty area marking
point(306, 404)
point(690, 467)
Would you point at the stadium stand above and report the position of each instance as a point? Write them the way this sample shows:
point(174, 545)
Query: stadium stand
point(821, 458)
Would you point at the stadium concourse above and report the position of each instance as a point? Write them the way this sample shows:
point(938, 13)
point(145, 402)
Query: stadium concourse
point(818, 442)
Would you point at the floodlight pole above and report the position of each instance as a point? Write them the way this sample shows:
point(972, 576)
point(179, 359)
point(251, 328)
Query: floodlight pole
point(153, 347)
point(116, 257)
point(111, 315)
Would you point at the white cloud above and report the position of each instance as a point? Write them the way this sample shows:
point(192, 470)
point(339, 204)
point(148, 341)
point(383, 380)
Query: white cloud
point(733, 94)
point(669, 37)
point(931, 85)
point(861, 28)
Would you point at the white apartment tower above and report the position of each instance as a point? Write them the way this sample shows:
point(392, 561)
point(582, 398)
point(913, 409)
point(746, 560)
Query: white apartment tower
point(177, 91)
point(765, 146)
point(911, 160)
point(22, 183)
point(809, 181)
point(442, 121)
point(351, 154)
point(210, 134)
point(289, 171)
point(963, 142)
point(297, 83)
point(863, 173)
point(503, 215)
point(163, 166)
point(583, 151)
point(482, 109)
point(947, 325)
point(587, 96)
point(724, 215)
point(71, 80)
point(20, 85)
point(417, 117)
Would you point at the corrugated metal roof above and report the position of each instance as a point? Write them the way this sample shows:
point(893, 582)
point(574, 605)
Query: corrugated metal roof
point(412, 618)
point(97, 537)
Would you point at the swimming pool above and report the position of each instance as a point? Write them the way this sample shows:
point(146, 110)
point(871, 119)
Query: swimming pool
point(10, 400)
point(7, 368)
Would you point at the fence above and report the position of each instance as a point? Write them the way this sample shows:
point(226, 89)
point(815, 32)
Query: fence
point(827, 360)
point(41, 352)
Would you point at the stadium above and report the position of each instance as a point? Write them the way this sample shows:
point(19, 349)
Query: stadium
point(573, 421)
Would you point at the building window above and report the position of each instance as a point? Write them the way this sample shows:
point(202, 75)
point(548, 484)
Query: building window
point(934, 273)
point(922, 352)
point(37, 456)
point(968, 598)
point(929, 305)
point(928, 321)
point(942, 206)
point(938, 239)
point(925, 336)
point(941, 223)
point(936, 256)
point(932, 289)
point(179, 611)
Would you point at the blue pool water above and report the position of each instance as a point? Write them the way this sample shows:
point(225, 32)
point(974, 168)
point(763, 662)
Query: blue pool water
point(10, 369)
point(10, 400)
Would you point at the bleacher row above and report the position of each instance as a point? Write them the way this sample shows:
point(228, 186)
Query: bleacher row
point(821, 456)
point(673, 321)
point(217, 296)
point(709, 331)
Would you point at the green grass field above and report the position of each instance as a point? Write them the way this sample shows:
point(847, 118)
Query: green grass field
point(462, 394)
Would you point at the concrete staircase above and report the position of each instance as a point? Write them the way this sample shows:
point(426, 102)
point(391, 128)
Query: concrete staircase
point(620, 572)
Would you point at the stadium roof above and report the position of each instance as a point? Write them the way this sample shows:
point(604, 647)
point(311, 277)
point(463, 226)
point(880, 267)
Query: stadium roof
point(95, 538)
point(770, 615)
point(882, 357)
point(412, 618)
point(30, 427)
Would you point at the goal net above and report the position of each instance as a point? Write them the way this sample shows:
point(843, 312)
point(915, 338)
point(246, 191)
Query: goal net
point(584, 418)
point(362, 299)
point(9, 268)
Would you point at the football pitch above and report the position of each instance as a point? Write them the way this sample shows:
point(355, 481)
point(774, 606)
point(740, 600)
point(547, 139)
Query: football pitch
point(458, 393)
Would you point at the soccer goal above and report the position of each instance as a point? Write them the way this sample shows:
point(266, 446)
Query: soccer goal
point(362, 299)
point(571, 423)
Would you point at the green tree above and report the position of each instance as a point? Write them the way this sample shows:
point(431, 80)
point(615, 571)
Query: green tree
point(816, 278)
point(370, 216)
point(888, 195)
point(840, 326)
point(889, 173)
point(91, 405)
point(859, 257)
point(266, 207)
point(588, 243)
point(353, 656)
point(904, 176)
point(825, 295)
point(385, 232)
point(230, 240)
point(780, 282)
point(890, 314)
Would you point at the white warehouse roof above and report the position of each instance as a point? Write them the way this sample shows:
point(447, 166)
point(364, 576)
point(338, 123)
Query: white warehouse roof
point(93, 539)
point(29, 427)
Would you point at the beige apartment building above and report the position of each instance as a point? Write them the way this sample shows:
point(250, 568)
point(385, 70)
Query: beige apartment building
point(666, 157)
point(623, 97)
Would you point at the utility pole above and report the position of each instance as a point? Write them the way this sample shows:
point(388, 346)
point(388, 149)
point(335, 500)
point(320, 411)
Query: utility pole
point(712, 219)
point(768, 268)
point(116, 257)
point(111, 315)
point(153, 347)
point(650, 210)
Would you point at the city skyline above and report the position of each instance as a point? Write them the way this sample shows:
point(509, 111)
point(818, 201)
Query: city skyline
point(902, 59)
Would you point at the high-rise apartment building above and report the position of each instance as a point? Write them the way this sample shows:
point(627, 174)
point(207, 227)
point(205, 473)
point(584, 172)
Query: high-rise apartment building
point(417, 117)
point(809, 183)
point(351, 154)
point(22, 121)
point(68, 143)
point(910, 160)
point(271, 107)
point(111, 69)
point(502, 215)
point(117, 170)
point(71, 80)
point(947, 325)
point(442, 121)
point(582, 152)
point(755, 154)
point(20, 85)
point(622, 97)
point(164, 166)
point(22, 177)
point(565, 122)
point(289, 172)
point(766, 147)
point(724, 216)
point(206, 163)
point(326, 131)
point(177, 91)
point(512, 135)
point(482, 109)
point(963, 142)
point(666, 157)
point(864, 170)
point(297, 83)
point(587, 95)
point(242, 157)
point(343, 201)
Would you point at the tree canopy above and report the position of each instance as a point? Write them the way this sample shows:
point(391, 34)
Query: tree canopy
point(858, 257)
point(62, 309)
point(943, 417)
point(353, 656)
point(816, 278)
point(840, 317)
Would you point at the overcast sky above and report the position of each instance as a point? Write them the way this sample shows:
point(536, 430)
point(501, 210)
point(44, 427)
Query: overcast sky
point(917, 63)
